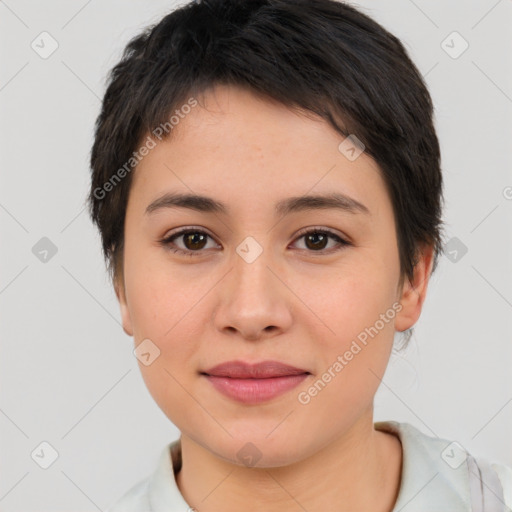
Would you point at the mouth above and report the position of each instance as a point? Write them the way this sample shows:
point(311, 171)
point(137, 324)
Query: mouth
point(263, 370)
point(256, 383)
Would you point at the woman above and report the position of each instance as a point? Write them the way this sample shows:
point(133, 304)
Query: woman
point(266, 180)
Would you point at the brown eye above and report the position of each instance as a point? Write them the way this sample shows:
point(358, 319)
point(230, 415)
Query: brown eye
point(317, 240)
point(194, 240)
point(191, 242)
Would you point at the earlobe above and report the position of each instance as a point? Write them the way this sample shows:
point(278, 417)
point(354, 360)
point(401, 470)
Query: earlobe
point(125, 313)
point(413, 292)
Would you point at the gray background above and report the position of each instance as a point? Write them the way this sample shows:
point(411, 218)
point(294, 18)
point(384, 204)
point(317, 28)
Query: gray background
point(68, 374)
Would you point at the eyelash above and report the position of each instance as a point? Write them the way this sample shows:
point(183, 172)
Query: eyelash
point(167, 241)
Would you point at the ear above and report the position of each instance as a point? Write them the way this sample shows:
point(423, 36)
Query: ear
point(125, 313)
point(413, 292)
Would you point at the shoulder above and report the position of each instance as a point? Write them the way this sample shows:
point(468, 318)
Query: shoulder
point(505, 476)
point(136, 499)
point(159, 491)
point(440, 472)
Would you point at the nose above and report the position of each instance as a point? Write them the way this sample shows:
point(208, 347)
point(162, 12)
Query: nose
point(252, 302)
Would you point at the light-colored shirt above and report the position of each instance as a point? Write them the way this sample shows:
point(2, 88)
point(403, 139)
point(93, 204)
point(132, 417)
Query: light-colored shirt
point(437, 476)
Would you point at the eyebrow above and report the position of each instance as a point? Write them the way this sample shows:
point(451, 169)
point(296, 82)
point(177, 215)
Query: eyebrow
point(284, 207)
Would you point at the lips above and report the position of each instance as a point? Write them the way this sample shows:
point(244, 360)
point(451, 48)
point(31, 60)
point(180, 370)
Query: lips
point(256, 383)
point(263, 370)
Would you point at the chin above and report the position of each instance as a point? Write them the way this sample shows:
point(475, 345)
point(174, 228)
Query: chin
point(258, 450)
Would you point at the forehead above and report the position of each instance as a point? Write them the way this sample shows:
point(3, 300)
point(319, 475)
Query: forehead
point(239, 146)
point(259, 125)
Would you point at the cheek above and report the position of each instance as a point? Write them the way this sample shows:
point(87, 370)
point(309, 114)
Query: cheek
point(166, 307)
point(358, 309)
point(352, 362)
point(354, 301)
point(157, 296)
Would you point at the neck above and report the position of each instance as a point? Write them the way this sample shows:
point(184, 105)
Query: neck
point(359, 470)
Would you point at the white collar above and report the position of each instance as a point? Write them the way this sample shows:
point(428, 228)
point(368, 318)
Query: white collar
point(426, 480)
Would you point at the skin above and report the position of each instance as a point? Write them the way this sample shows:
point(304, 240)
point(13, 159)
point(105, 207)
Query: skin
point(294, 304)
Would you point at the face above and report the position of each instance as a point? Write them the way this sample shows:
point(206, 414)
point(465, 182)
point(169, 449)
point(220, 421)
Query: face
point(312, 287)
